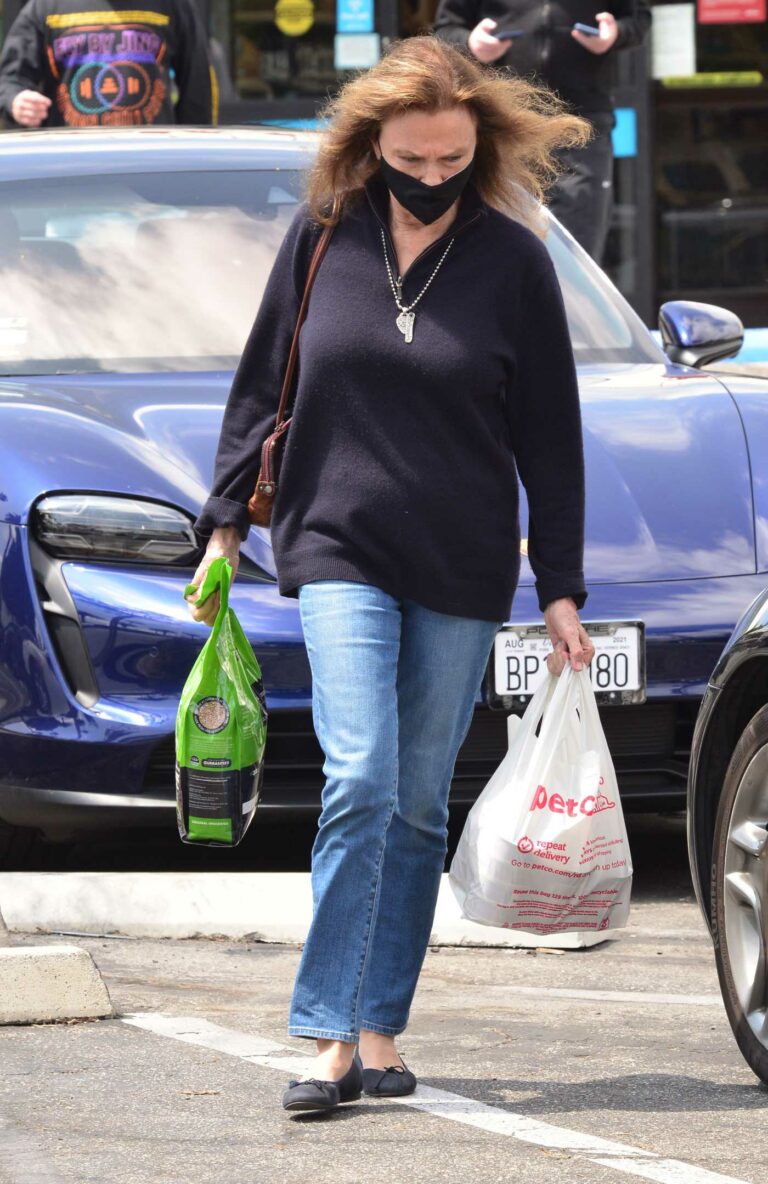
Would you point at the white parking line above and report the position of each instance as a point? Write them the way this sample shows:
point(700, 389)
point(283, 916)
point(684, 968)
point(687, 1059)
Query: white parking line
point(616, 996)
point(441, 1103)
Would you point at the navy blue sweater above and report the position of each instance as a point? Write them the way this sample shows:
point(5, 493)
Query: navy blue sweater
point(401, 467)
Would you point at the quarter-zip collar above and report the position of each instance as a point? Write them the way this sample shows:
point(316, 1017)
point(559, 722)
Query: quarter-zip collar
point(471, 209)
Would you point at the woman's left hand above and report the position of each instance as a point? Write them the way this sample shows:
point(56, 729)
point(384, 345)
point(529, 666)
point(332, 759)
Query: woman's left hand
point(609, 31)
point(569, 638)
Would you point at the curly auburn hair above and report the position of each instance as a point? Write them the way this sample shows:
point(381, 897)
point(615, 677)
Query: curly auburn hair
point(519, 127)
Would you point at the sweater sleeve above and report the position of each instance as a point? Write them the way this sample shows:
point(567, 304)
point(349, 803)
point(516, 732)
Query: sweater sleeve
point(251, 408)
point(545, 424)
point(455, 20)
point(22, 64)
point(192, 66)
point(633, 28)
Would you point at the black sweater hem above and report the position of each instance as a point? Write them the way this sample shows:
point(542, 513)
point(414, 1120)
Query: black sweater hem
point(303, 568)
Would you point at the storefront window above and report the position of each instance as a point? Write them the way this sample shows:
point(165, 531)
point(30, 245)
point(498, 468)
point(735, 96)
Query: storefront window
point(278, 49)
point(712, 198)
point(711, 173)
point(742, 47)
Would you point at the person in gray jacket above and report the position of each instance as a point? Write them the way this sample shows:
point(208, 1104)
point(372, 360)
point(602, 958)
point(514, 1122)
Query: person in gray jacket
point(543, 42)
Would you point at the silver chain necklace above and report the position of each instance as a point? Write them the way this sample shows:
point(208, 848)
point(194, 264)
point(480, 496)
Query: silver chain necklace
point(406, 316)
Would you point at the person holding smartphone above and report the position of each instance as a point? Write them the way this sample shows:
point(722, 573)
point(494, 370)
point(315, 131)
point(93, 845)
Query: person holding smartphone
point(569, 48)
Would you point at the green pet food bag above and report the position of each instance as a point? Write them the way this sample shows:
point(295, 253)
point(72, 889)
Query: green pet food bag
point(221, 729)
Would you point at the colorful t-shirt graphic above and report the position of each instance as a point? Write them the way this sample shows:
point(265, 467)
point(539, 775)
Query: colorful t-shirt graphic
point(110, 66)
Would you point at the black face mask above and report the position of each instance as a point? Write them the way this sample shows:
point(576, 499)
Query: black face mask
point(425, 202)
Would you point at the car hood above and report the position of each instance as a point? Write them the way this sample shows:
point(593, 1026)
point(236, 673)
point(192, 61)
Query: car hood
point(751, 397)
point(667, 474)
point(151, 436)
point(668, 481)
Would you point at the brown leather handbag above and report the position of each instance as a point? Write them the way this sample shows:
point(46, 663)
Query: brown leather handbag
point(263, 497)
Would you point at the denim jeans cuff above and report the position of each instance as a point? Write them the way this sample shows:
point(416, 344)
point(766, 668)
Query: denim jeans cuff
point(323, 1034)
point(384, 1029)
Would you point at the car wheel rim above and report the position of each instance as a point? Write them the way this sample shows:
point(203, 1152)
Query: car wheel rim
point(745, 896)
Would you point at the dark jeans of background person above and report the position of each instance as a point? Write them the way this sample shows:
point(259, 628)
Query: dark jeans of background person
point(582, 198)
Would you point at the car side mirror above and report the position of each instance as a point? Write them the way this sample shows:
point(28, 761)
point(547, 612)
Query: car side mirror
point(695, 334)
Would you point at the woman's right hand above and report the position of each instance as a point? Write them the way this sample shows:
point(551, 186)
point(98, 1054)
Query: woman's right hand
point(29, 108)
point(224, 541)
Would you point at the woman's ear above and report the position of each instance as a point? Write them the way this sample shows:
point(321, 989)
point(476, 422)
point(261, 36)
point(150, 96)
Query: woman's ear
point(376, 149)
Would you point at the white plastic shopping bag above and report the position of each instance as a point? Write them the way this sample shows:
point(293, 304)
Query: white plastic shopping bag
point(544, 848)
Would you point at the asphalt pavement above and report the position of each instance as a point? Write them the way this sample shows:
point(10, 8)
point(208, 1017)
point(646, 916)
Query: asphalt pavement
point(605, 1064)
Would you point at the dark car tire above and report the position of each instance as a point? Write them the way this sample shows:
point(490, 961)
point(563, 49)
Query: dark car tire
point(738, 848)
point(19, 847)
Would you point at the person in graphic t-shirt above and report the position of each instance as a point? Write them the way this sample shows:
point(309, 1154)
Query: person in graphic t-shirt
point(85, 63)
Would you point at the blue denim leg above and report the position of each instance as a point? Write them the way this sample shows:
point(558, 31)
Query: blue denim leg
point(441, 665)
point(394, 686)
point(352, 633)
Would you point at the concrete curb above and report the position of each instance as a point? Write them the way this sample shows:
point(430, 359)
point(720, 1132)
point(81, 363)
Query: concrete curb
point(39, 983)
point(262, 906)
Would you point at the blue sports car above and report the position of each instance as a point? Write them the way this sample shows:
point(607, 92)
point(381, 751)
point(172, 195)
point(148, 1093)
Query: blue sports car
point(132, 264)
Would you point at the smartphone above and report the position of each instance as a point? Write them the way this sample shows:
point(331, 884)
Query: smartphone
point(589, 30)
point(508, 34)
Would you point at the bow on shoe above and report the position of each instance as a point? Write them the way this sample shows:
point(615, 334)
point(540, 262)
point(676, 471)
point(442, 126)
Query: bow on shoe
point(389, 1069)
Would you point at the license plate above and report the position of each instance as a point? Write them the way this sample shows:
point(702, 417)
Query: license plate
point(617, 671)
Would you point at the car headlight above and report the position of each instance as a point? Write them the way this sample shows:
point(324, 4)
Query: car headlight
point(93, 526)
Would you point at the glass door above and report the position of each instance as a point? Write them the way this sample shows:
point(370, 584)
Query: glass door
point(711, 173)
point(277, 51)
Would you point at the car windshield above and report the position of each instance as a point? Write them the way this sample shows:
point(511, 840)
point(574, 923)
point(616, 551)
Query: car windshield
point(147, 272)
point(603, 326)
point(165, 271)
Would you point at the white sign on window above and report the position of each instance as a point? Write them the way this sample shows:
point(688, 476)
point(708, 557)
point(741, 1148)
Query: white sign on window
point(356, 51)
point(673, 40)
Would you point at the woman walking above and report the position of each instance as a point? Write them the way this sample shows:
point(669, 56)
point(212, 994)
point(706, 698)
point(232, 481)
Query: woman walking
point(435, 365)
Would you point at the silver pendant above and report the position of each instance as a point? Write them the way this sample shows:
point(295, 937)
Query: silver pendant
point(405, 325)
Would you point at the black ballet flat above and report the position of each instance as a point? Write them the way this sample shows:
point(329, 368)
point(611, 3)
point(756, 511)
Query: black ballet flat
point(314, 1094)
point(392, 1082)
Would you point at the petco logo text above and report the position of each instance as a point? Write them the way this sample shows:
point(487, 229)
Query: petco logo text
point(591, 804)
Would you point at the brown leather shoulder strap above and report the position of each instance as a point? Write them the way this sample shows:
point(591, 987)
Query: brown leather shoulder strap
point(314, 267)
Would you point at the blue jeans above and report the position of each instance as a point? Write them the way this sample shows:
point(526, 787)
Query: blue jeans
point(393, 692)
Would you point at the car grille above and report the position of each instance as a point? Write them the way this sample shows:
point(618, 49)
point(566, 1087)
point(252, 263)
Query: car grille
point(650, 744)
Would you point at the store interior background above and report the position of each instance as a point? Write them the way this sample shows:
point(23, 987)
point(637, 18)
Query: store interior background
point(690, 218)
